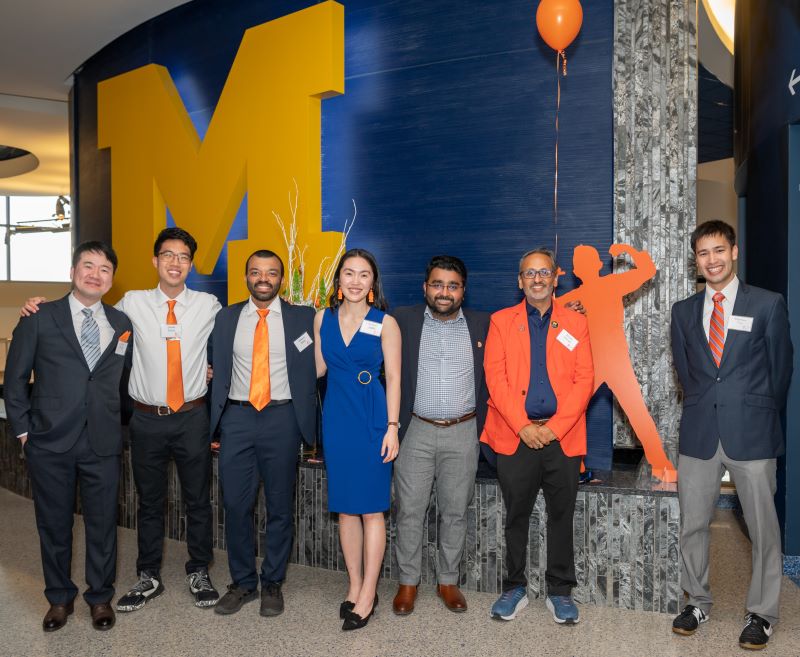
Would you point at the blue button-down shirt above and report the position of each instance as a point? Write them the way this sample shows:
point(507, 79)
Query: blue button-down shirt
point(541, 400)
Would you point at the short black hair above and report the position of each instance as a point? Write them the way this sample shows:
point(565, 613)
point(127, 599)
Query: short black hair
point(450, 263)
point(95, 247)
point(175, 234)
point(262, 253)
point(713, 227)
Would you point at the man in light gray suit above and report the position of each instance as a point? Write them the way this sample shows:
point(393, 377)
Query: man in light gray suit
point(733, 356)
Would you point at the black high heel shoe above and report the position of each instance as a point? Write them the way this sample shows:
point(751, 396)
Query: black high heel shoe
point(353, 621)
point(345, 607)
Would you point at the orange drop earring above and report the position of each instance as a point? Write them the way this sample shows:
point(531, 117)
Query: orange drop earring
point(371, 297)
point(339, 294)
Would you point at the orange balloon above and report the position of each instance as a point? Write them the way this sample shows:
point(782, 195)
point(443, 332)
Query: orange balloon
point(559, 22)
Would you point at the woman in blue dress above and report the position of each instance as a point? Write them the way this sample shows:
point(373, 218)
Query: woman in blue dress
point(359, 421)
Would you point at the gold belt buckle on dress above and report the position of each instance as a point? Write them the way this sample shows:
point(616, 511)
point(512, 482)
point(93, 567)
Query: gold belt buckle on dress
point(368, 381)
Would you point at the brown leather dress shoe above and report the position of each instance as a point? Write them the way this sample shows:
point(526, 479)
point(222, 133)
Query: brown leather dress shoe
point(403, 603)
point(103, 617)
point(56, 616)
point(452, 597)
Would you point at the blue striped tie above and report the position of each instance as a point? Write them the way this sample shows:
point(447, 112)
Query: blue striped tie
point(90, 338)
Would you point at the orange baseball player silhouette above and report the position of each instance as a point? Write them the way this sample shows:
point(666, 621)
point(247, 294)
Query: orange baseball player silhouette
point(602, 297)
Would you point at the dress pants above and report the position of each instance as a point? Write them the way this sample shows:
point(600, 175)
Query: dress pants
point(447, 456)
point(521, 475)
point(258, 445)
point(698, 491)
point(54, 477)
point(183, 437)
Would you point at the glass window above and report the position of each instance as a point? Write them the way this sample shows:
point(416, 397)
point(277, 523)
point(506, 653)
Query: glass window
point(40, 243)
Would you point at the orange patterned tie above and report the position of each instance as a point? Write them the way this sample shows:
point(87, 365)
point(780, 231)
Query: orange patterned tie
point(716, 328)
point(174, 368)
point(259, 377)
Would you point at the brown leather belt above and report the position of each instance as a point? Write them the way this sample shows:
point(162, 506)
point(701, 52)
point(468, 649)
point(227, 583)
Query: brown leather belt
point(166, 410)
point(272, 402)
point(446, 423)
point(539, 421)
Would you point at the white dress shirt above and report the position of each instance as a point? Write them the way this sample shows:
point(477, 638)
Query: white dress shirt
point(243, 353)
point(729, 291)
point(147, 310)
point(99, 314)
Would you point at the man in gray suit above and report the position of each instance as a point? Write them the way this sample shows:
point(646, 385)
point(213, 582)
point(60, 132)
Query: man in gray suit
point(733, 356)
point(69, 427)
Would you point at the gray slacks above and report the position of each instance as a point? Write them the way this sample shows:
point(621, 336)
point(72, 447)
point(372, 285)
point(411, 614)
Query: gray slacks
point(447, 456)
point(698, 490)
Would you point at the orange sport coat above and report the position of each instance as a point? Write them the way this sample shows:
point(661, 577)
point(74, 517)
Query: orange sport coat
point(507, 363)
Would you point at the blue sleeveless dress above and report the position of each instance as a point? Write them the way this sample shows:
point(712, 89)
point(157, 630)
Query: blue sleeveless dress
point(354, 419)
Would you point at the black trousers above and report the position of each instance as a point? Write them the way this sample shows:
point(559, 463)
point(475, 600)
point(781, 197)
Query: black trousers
point(54, 477)
point(154, 440)
point(521, 475)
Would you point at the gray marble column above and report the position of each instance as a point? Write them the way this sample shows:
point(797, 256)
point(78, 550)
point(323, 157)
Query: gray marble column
point(655, 171)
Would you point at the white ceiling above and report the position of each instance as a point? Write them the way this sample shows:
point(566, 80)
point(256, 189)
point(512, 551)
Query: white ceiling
point(41, 43)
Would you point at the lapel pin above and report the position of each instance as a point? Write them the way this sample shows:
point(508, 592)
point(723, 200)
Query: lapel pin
point(480, 344)
point(521, 328)
point(554, 324)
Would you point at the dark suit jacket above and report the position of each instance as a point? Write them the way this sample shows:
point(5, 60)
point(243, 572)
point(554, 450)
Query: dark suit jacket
point(300, 364)
point(66, 396)
point(738, 404)
point(410, 319)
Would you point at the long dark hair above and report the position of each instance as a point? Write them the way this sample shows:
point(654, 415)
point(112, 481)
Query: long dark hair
point(377, 289)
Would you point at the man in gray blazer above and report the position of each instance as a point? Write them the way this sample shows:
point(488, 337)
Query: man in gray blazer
point(69, 426)
point(733, 356)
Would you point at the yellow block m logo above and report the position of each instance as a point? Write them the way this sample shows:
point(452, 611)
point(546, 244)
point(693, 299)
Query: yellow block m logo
point(264, 135)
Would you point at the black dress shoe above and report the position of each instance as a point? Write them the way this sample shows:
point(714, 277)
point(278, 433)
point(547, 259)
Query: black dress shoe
point(56, 616)
point(103, 617)
point(353, 621)
point(345, 607)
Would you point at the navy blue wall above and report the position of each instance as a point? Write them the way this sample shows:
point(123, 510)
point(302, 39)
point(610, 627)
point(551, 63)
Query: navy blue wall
point(444, 136)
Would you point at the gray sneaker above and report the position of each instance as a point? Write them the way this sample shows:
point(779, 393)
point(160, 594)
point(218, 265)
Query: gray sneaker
point(200, 586)
point(233, 600)
point(271, 600)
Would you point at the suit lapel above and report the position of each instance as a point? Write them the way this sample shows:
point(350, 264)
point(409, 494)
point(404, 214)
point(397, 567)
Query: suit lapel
point(698, 327)
point(477, 352)
point(116, 324)
point(415, 342)
point(65, 324)
point(520, 328)
point(288, 333)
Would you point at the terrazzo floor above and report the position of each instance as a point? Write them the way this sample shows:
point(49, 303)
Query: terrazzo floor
point(172, 627)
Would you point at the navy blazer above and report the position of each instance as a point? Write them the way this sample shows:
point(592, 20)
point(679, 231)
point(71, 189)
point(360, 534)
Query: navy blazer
point(302, 369)
point(410, 319)
point(738, 403)
point(66, 396)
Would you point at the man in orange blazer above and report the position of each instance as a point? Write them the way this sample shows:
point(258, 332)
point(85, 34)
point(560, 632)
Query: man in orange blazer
point(540, 376)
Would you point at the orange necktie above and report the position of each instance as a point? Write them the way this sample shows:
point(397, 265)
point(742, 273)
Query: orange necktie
point(259, 376)
point(716, 328)
point(174, 369)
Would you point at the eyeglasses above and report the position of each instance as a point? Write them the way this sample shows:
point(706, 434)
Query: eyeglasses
point(451, 287)
point(530, 274)
point(169, 256)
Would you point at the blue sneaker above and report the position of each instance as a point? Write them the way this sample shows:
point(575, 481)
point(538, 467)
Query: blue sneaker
point(563, 609)
point(510, 603)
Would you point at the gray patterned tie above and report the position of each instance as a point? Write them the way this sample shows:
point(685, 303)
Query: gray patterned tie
point(90, 338)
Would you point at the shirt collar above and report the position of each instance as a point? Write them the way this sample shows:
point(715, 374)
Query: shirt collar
point(729, 291)
point(161, 298)
point(534, 312)
point(459, 317)
point(76, 307)
point(274, 306)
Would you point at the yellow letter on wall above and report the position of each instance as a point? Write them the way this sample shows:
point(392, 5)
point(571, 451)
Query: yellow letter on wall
point(264, 135)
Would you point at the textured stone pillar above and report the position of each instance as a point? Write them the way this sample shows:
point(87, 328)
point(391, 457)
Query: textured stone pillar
point(655, 171)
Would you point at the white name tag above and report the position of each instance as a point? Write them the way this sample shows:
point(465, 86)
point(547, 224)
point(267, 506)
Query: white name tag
point(371, 328)
point(122, 348)
point(567, 340)
point(303, 341)
point(740, 323)
point(171, 331)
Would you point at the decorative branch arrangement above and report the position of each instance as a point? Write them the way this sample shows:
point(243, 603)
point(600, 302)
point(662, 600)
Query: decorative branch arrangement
point(294, 292)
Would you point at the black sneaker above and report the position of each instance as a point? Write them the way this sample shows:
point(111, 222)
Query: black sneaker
point(688, 620)
point(271, 600)
point(148, 587)
point(205, 595)
point(756, 633)
point(233, 600)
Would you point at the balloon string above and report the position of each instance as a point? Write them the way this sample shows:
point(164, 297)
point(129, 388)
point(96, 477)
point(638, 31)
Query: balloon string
point(559, 55)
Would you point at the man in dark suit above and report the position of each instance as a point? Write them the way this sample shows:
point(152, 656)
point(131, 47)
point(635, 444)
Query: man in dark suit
point(442, 410)
point(264, 401)
point(733, 356)
point(69, 426)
